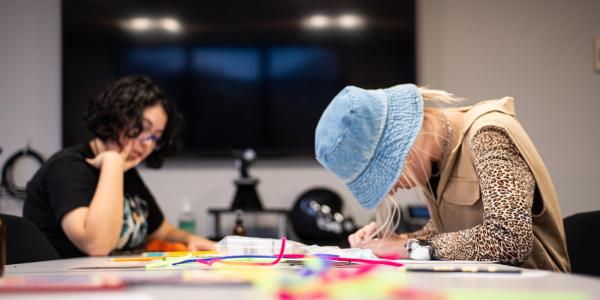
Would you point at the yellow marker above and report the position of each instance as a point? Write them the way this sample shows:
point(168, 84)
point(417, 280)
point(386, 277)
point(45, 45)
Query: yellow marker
point(180, 253)
point(166, 262)
point(150, 256)
point(139, 258)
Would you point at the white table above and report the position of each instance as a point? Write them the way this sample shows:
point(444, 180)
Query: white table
point(528, 280)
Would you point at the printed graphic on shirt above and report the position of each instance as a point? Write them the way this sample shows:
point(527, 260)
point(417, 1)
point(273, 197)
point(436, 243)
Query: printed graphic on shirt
point(135, 224)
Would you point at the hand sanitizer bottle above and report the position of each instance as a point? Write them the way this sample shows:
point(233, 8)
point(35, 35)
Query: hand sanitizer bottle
point(187, 220)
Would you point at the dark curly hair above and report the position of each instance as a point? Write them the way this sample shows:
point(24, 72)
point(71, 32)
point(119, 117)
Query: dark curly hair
point(119, 108)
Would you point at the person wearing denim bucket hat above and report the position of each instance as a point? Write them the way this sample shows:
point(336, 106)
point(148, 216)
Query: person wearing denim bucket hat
point(489, 194)
point(373, 129)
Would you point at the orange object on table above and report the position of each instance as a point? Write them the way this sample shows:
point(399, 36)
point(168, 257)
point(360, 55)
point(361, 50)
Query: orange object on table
point(160, 246)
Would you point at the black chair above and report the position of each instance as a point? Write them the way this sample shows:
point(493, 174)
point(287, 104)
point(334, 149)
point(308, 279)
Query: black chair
point(25, 242)
point(316, 218)
point(582, 231)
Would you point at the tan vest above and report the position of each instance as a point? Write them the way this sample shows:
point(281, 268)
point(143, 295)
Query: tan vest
point(458, 205)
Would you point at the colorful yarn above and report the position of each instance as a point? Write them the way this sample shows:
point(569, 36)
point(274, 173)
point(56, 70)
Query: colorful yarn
point(324, 258)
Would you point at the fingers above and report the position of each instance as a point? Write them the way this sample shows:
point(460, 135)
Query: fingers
point(403, 236)
point(127, 149)
point(370, 244)
point(210, 246)
point(201, 244)
point(353, 241)
point(359, 237)
point(132, 163)
point(110, 157)
point(99, 145)
point(369, 230)
point(94, 162)
point(387, 248)
point(193, 247)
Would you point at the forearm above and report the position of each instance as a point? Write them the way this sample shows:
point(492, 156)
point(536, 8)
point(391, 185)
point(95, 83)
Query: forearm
point(491, 241)
point(169, 233)
point(176, 235)
point(507, 188)
point(104, 219)
point(423, 233)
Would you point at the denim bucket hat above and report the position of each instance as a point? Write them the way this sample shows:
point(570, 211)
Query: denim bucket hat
point(364, 136)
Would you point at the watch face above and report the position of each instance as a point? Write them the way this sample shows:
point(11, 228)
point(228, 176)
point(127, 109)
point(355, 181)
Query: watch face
point(417, 250)
point(410, 244)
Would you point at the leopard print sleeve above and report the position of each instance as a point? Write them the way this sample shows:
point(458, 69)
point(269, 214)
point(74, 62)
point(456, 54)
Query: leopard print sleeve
point(424, 232)
point(507, 188)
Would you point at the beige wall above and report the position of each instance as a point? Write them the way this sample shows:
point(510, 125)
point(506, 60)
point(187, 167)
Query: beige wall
point(540, 52)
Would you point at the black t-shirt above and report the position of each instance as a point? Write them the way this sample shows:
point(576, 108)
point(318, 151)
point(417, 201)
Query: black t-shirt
point(66, 181)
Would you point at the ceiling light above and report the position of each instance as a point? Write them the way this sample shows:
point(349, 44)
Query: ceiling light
point(170, 25)
point(140, 24)
point(350, 21)
point(317, 22)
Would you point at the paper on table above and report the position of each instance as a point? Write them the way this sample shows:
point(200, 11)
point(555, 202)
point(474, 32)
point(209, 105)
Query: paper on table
point(346, 252)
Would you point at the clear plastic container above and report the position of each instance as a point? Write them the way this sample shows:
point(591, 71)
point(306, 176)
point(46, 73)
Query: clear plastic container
point(241, 245)
point(187, 219)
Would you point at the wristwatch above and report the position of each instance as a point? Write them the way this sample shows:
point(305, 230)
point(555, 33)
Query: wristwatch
point(418, 249)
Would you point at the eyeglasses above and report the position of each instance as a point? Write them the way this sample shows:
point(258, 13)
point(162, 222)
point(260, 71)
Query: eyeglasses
point(147, 136)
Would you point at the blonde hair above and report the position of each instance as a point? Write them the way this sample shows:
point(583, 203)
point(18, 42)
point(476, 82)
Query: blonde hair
point(387, 215)
point(388, 212)
point(431, 96)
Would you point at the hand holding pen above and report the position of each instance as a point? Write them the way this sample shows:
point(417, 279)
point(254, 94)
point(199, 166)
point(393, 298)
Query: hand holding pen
point(392, 246)
point(362, 235)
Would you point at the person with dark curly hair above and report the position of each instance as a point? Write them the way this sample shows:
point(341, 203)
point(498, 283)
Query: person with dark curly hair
point(89, 199)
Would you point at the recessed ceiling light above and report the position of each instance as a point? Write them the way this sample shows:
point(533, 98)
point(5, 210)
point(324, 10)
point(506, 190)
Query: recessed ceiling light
point(350, 21)
point(140, 24)
point(317, 22)
point(170, 25)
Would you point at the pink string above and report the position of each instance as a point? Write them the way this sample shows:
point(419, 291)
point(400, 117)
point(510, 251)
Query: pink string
point(276, 261)
point(369, 261)
point(299, 256)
